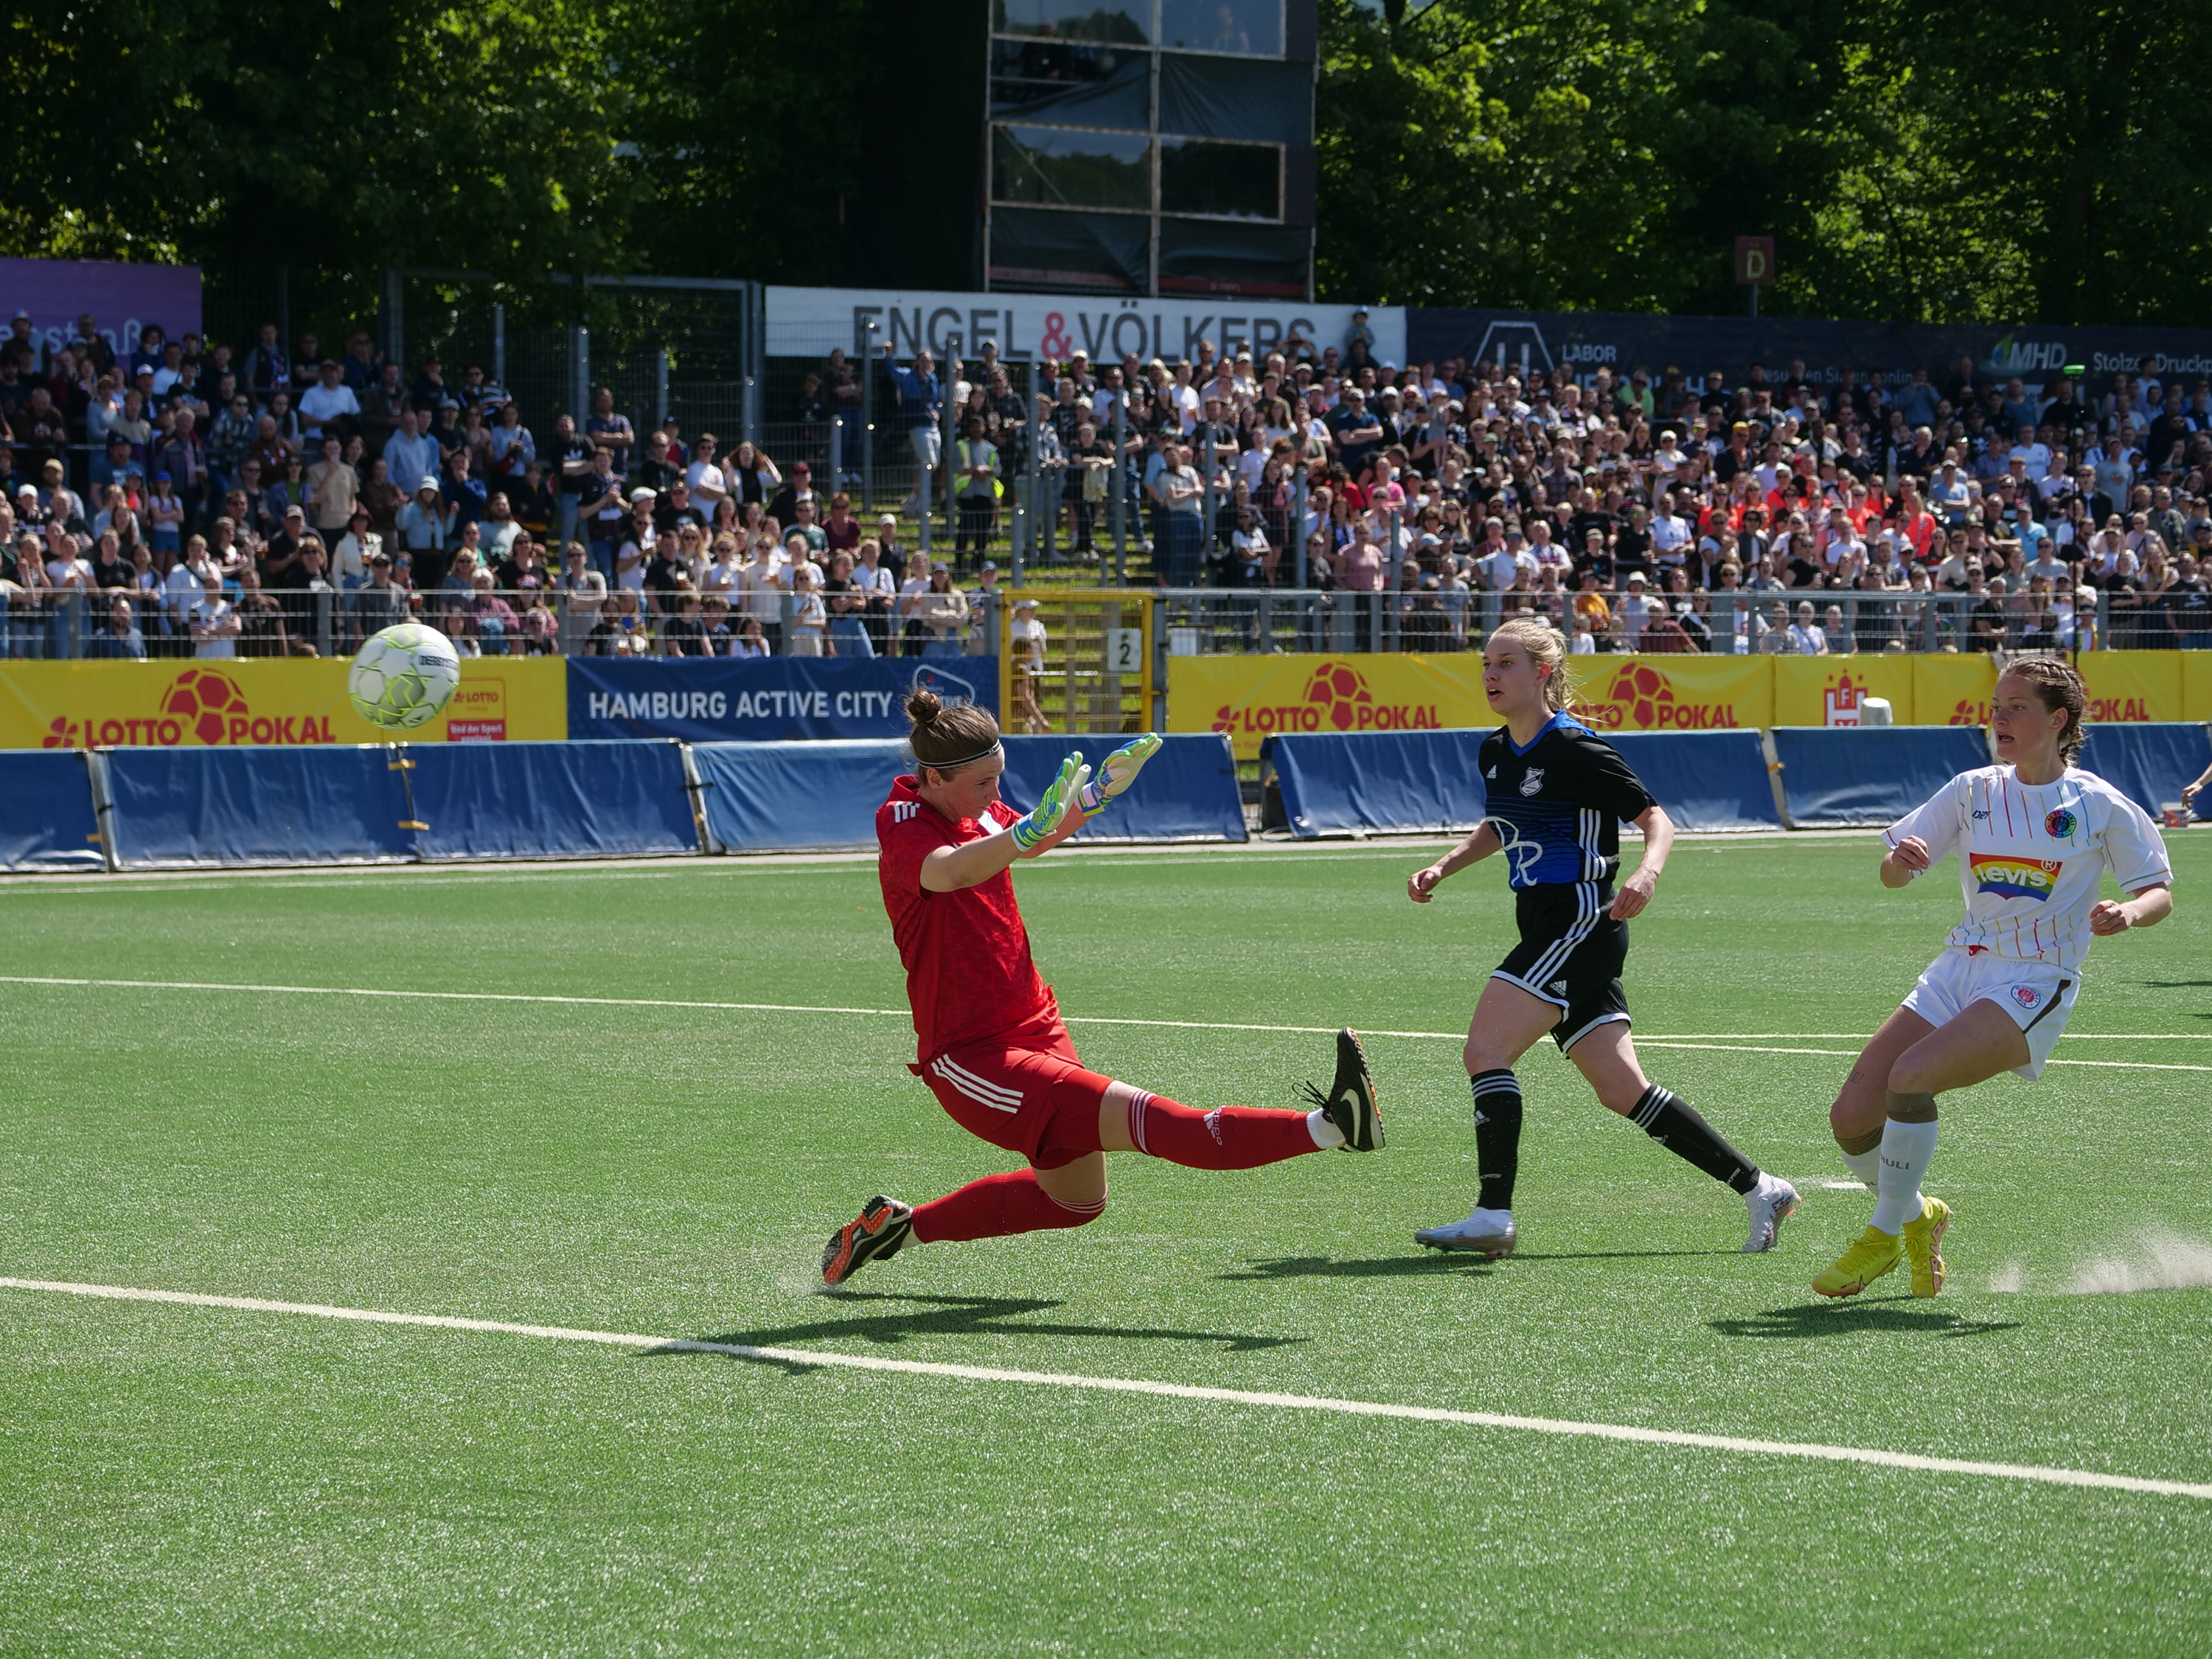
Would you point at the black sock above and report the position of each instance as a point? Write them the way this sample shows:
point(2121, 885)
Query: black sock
point(1675, 1125)
point(1497, 1135)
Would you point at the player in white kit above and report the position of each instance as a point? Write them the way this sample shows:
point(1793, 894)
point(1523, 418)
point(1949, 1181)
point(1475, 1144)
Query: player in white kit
point(2033, 836)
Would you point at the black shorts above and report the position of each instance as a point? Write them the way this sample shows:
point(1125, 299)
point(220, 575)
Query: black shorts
point(1570, 955)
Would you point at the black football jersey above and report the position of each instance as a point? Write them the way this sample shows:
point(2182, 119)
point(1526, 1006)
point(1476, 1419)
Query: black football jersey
point(1558, 804)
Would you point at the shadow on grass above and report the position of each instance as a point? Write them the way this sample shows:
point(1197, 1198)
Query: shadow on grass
point(1895, 1314)
point(1431, 1262)
point(961, 1315)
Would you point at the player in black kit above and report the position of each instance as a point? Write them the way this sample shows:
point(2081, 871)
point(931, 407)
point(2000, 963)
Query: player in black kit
point(1554, 796)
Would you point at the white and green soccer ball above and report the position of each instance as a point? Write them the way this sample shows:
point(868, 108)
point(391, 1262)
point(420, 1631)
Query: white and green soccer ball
point(403, 677)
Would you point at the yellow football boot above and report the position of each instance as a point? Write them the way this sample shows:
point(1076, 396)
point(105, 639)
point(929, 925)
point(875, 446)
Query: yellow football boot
point(1922, 1240)
point(1875, 1254)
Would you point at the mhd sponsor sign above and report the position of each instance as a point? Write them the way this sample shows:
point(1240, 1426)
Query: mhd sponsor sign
point(809, 321)
point(1537, 342)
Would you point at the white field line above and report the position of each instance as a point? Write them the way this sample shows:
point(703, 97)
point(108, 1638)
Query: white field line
point(661, 867)
point(813, 1359)
point(1751, 1043)
point(1378, 847)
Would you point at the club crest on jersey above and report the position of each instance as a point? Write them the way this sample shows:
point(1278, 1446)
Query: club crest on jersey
point(2008, 876)
point(1533, 780)
point(2059, 823)
point(2024, 995)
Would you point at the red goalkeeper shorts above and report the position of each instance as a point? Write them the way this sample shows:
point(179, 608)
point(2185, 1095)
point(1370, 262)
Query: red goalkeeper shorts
point(1036, 1101)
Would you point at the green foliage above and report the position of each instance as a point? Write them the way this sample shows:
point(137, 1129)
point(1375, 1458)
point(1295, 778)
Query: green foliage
point(1914, 164)
point(1500, 150)
point(2053, 159)
point(748, 128)
point(103, 150)
point(334, 134)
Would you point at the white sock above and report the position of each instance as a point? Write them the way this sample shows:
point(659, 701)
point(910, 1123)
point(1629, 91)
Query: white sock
point(1905, 1149)
point(1325, 1133)
point(1866, 1165)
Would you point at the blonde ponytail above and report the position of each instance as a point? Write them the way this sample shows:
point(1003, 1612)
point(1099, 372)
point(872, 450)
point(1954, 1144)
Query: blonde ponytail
point(1547, 648)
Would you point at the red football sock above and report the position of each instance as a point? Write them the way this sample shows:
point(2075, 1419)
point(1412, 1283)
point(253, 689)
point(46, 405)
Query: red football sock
point(996, 1206)
point(1226, 1137)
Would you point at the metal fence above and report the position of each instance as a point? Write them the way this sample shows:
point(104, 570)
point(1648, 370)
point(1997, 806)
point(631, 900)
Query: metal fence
point(685, 347)
point(1070, 636)
point(81, 624)
point(1204, 622)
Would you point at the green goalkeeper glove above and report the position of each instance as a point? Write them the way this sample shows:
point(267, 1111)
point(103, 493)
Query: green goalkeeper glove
point(1055, 805)
point(1117, 772)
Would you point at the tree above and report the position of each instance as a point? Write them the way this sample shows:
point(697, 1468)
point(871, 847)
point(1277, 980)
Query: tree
point(1913, 163)
point(1499, 147)
point(104, 157)
point(747, 128)
point(361, 133)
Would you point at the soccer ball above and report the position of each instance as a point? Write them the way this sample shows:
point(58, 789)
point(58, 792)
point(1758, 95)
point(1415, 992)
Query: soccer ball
point(403, 677)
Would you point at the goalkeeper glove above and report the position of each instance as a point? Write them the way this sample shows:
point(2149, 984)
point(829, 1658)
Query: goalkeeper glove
point(1055, 805)
point(1117, 772)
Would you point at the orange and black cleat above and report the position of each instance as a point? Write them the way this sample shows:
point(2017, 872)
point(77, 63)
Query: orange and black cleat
point(882, 1225)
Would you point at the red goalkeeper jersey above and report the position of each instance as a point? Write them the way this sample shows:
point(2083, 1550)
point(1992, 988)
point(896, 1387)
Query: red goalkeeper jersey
point(968, 975)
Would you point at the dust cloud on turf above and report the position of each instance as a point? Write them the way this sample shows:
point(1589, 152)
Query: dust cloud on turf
point(2157, 1259)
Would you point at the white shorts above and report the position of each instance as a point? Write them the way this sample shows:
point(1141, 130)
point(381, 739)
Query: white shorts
point(2039, 998)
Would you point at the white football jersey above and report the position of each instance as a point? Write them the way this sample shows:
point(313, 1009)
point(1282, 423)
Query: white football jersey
point(2030, 856)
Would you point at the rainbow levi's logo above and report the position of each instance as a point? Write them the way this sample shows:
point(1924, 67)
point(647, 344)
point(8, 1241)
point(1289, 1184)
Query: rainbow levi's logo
point(2016, 878)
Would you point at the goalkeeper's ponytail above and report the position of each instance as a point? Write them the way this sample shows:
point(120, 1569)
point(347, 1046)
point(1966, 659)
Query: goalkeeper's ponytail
point(943, 738)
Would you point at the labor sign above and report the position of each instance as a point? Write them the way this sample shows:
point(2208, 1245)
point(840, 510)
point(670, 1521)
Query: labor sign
point(188, 703)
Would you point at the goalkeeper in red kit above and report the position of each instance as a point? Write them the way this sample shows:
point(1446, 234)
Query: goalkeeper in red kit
point(992, 1047)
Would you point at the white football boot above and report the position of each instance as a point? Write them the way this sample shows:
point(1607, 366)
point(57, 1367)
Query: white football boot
point(1771, 1202)
point(1486, 1232)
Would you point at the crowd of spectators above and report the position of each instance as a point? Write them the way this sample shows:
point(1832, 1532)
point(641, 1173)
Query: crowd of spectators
point(193, 501)
point(198, 501)
point(285, 501)
point(1785, 512)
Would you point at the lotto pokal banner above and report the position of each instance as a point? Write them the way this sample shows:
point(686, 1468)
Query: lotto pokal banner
point(1251, 698)
point(2126, 688)
point(185, 701)
point(764, 699)
point(1673, 694)
point(1951, 690)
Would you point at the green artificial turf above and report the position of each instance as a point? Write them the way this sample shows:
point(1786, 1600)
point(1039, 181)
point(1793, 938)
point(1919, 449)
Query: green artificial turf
point(180, 1480)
